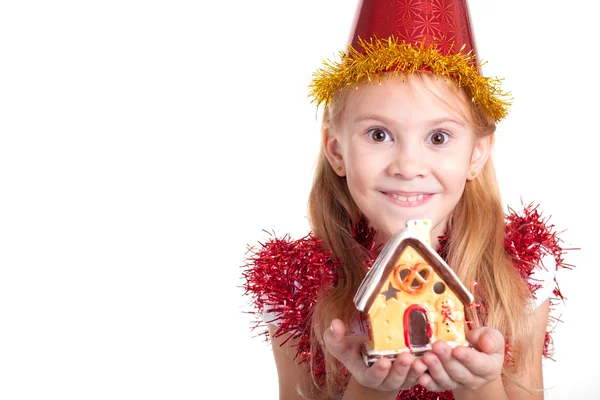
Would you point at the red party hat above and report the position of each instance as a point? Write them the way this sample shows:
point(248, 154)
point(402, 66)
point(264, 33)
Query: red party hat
point(407, 36)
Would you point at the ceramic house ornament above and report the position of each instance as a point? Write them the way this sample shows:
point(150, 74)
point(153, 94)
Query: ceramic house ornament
point(412, 298)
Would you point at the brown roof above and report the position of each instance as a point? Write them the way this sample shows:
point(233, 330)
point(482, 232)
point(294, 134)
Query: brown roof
point(385, 263)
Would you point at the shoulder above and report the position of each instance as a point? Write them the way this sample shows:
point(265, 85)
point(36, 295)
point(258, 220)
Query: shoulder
point(287, 265)
point(536, 250)
point(537, 253)
point(283, 277)
point(541, 281)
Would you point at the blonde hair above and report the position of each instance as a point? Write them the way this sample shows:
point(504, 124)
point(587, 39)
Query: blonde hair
point(476, 252)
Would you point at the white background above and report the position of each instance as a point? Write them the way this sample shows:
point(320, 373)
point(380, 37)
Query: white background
point(144, 144)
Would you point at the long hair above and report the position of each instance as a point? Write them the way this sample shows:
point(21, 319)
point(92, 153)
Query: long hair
point(476, 252)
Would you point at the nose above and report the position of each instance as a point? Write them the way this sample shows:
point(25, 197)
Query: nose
point(408, 161)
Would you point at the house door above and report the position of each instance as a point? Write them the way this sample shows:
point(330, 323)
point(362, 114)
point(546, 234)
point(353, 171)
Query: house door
point(417, 329)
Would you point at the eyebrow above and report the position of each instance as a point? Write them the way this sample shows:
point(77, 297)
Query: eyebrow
point(388, 121)
point(439, 121)
point(373, 117)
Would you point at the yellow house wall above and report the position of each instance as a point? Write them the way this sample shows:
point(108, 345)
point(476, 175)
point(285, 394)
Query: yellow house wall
point(386, 318)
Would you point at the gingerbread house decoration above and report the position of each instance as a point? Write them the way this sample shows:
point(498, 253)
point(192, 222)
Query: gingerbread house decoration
point(411, 297)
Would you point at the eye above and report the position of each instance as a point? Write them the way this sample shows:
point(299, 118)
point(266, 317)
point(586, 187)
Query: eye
point(378, 135)
point(438, 137)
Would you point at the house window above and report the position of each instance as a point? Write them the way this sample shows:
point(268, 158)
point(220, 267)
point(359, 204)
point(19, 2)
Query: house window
point(439, 288)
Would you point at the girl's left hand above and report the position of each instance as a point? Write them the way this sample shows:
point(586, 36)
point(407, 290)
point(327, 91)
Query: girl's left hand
point(464, 367)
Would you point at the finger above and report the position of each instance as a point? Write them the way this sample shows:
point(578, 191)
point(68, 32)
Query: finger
point(375, 375)
point(437, 371)
point(492, 342)
point(399, 371)
point(417, 369)
point(478, 363)
point(453, 367)
point(429, 383)
point(490, 357)
point(486, 340)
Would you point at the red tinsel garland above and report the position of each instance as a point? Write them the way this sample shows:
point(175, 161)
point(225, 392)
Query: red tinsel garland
point(284, 277)
point(528, 238)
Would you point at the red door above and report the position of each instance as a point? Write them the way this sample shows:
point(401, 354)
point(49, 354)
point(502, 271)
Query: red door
point(417, 330)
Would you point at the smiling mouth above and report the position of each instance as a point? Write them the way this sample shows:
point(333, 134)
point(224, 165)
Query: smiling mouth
point(408, 199)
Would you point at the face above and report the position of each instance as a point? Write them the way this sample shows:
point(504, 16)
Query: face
point(404, 152)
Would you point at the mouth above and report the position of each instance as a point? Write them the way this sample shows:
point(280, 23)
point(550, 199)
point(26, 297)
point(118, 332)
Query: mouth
point(408, 199)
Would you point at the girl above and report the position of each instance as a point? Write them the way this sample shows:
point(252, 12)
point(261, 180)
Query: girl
point(408, 128)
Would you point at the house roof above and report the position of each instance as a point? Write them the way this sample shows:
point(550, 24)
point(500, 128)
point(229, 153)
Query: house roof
point(386, 261)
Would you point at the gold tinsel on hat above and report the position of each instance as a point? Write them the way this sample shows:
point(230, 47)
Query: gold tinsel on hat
point(391, 55)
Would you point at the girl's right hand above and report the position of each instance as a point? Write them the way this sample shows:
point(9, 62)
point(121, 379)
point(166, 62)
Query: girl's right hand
point(383, 375)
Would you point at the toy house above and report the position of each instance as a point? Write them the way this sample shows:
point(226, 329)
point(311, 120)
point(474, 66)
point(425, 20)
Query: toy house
point(411, 297)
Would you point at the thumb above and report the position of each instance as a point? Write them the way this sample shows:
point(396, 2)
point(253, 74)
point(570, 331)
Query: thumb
point(345, 349)
point(334, 338)
point(335, 333)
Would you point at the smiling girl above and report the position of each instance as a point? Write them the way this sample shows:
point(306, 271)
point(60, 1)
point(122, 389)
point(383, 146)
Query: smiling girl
point(408, 128)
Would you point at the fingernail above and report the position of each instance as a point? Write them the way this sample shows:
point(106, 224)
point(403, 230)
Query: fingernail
point(331, 329)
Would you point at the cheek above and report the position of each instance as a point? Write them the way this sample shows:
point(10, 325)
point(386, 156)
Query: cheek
point(453, 171)
point(362, 170)
point(358, 182)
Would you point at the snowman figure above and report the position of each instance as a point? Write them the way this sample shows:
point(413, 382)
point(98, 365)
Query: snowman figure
point(447, 319)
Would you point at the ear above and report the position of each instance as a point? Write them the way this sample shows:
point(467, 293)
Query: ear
point(331, 146)
point(481, 152)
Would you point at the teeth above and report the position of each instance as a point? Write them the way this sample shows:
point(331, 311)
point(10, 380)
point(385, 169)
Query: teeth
point(408, 199)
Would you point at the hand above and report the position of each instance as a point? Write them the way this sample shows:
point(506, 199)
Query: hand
point(383, 374)
point(464, 367)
